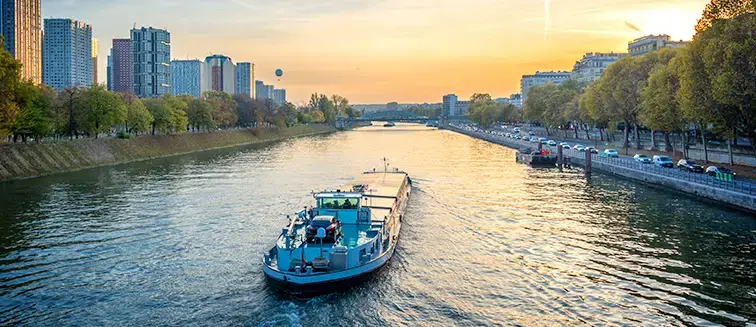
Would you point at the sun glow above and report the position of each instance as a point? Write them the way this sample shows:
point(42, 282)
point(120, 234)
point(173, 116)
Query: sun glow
point(675, 23)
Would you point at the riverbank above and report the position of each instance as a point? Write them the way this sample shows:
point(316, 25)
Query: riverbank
point(735, 194)
point(19, 161)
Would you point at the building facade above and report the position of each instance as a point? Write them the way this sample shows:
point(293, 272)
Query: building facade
point(109, 72)
point(95, 51)
point(244, 77)
point(646, 44)
point(220, 74)
point(67, 54)
point(120, 68)
point(188, 77)
point(20, 26)
point(593, 65)
point(279, 96)
point(262, 91)
point(449, 105)
point(151, 60)
point(540, 78)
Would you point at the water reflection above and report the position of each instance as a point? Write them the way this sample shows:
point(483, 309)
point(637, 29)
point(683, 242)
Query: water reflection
point(178, 241)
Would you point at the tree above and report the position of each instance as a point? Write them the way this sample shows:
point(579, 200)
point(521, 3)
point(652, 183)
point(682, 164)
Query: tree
point(9, 80)
point(178, 109)
point(480, 97)
point(35, 114)
point(723, 9)
point(200, 115)
point(102, 109)
point(660, 101)
point(223, 108)
point(728, 53)
point(138, 118)
point(161, 114)
point(317, 116)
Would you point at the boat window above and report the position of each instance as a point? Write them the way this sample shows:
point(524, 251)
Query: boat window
point(338, 203)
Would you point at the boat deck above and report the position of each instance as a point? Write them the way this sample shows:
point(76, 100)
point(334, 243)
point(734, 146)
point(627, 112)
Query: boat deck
point(383, 191)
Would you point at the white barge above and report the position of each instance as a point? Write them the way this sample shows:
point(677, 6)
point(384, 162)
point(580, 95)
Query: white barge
point(348, 234)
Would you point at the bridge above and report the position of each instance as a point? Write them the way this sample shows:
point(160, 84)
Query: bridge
point(399, 116)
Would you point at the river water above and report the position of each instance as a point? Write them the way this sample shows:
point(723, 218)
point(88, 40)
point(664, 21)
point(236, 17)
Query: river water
point(486, 241)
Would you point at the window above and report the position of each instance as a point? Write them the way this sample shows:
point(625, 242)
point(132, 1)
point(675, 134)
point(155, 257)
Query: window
point(338, 203)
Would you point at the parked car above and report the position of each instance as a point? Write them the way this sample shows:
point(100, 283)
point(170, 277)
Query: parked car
point(531, 133)
point(690, 165)
point(579, 148)
point(610, 153)
point(517, 130)
point(543, 140)
point(331, 226)
point(663, 161)
point(642, 158)
point(594, 151)
point(713, 170)
point(551, 143)
point(565, 146)
point(526, 138)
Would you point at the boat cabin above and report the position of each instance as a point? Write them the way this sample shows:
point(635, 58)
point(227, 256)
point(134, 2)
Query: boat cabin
point(345, 207)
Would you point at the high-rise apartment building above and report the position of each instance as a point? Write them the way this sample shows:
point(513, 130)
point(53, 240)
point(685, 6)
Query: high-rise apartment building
point(244, 78)
point(540, 78)
point(95, 50)
point(220, 74)
point(187, 77)
point(120, 68)
point(20, 22)
point(151, 60)
point(262, 91)
point(279, 96)
point(67, 54)
point(110, 73)
point(449, 105)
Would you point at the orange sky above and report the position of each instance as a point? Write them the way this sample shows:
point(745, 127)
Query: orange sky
point(377, 51)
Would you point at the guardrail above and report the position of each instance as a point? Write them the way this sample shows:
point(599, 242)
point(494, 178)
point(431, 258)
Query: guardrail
point(722, 181)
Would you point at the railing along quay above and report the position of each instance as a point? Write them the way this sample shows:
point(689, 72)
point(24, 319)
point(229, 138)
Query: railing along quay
point(628, 167)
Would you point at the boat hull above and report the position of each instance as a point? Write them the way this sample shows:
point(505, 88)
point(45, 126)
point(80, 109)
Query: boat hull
point(304, 285)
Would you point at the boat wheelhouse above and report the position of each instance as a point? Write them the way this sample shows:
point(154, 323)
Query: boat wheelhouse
point(348, 234)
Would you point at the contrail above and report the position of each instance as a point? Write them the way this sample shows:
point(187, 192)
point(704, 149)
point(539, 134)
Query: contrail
point(546, 20)
point(632, 26)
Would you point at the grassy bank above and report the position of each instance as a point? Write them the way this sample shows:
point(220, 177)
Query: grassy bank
point(32, 160)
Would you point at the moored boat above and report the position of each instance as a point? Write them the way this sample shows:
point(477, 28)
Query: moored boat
point(347, 235)
point(389, 124)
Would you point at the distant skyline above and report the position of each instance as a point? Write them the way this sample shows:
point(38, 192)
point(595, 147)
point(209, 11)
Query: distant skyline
point(389, 50)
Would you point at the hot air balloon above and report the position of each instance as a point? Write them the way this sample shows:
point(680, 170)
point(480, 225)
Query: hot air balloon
point(279, 72)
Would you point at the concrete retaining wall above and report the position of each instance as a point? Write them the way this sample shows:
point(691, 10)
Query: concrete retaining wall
point(39, 159)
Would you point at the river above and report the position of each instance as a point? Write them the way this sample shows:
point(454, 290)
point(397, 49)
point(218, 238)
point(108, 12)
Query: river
point(485, 241)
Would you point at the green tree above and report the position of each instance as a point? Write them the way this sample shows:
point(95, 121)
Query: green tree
point(9, 80)
point(728, 52)
point(178, 109)
point(200, 115)
point(317, 116)
point(102, 109)
point(161, 113)
point(138, 118)
point(35, 115)
point(223, 108)
point(660, 101)
point(723, 9)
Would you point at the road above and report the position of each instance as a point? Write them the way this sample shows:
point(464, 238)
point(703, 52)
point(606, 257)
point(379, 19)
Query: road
point(744, 185)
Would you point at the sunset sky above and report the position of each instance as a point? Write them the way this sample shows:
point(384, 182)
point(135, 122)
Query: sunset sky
point(389, 50)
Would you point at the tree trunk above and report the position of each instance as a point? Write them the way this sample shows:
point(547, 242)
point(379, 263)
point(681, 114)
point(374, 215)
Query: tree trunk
point(626, 132)
point(706, 150)
point(654, 146)
point(153, 128)
point(729, 145)
point(548, 133)
point(637, 136)
point(576, 130)
point(667, 143)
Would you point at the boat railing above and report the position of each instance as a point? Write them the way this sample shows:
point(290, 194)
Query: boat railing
point(270, 255)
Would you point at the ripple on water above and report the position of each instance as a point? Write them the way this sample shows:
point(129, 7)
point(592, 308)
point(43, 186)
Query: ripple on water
point(486, 241)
